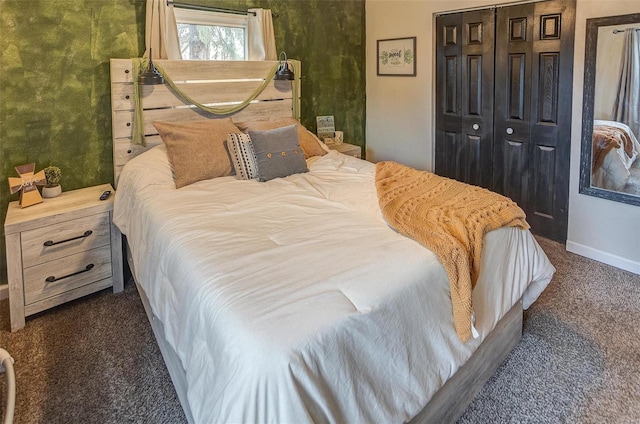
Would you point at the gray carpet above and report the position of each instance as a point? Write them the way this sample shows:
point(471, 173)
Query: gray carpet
point(94, 360)
point(579, 358)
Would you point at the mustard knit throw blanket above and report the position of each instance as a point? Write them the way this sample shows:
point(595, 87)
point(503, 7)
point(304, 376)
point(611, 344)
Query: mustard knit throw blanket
point(449, 218)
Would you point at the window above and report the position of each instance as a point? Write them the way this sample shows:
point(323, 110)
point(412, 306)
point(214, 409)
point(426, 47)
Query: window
point(211, 35)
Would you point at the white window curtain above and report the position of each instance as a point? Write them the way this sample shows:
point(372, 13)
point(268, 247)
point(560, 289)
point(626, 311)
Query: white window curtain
point(161, 31)
point(627, 106)
point(262, 42)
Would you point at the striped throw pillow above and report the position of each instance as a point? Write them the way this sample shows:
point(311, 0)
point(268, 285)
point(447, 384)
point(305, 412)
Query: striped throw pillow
point(242, 156)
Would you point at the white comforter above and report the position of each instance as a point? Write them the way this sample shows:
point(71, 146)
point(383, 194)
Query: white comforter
point(292, 300)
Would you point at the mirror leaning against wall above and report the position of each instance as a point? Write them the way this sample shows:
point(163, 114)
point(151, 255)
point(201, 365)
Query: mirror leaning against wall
point(610, 157)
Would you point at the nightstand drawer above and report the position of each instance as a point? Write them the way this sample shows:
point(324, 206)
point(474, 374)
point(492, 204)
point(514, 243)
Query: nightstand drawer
point(64, 274)
point(66, 238)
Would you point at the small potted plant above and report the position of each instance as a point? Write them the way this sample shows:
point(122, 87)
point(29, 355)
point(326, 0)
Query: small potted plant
point(53, 175)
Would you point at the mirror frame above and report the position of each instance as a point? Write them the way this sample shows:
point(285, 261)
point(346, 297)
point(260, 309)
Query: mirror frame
point(588, 108)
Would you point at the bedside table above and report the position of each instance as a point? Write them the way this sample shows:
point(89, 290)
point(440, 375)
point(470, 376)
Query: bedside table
point(61, 249)
point(348, 149)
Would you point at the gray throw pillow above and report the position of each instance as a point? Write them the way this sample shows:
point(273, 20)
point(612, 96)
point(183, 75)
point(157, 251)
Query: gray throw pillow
point(278, 152)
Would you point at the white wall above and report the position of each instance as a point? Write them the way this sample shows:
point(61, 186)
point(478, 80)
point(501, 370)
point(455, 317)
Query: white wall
point(400, 118)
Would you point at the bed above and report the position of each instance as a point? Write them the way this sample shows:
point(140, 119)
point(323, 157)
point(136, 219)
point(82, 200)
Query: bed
point(292, 300)
point(615, 149)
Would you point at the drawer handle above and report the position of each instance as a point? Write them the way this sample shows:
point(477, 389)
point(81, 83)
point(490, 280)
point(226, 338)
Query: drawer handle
point(53, 279)
point(49, 243)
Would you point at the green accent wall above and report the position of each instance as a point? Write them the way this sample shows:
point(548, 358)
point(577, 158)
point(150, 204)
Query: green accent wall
point(54, 77)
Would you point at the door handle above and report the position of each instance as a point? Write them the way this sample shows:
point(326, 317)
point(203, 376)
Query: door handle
point(509, 131)
point(475, 127)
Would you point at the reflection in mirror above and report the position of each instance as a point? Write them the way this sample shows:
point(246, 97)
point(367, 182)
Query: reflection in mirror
point(610, 159)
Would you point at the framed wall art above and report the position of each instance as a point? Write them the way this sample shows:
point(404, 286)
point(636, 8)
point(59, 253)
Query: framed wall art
point(397, 57)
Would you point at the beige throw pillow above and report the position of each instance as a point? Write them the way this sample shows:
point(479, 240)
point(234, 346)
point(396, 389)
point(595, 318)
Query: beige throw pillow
point(309, 143)
point(196, 149)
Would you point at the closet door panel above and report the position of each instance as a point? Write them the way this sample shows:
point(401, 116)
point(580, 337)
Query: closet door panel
point(448, 94)
point(471, 169)
point(548, 75)
point(448, 150)
point(513, 170)
point(477, 99)
point(516, 86)
point(514, 32)
point(545, 158)
point(552, 80)
point(474, 78)
point(534, 61)
point(464, 88)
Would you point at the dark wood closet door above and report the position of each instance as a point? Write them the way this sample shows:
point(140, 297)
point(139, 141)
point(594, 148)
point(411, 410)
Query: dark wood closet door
point(532, 123)
point(464, 96)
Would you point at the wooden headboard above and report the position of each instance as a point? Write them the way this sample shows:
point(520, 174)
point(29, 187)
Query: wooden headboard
point(207, 82)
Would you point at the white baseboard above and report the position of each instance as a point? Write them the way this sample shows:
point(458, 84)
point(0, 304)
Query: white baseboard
point(604, 257)
point(4, 291)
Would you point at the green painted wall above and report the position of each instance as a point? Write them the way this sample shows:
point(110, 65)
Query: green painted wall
point(54, 77)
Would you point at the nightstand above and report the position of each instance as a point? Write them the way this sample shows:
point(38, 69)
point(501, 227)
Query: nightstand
point(61, 249)
point(348, 149)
